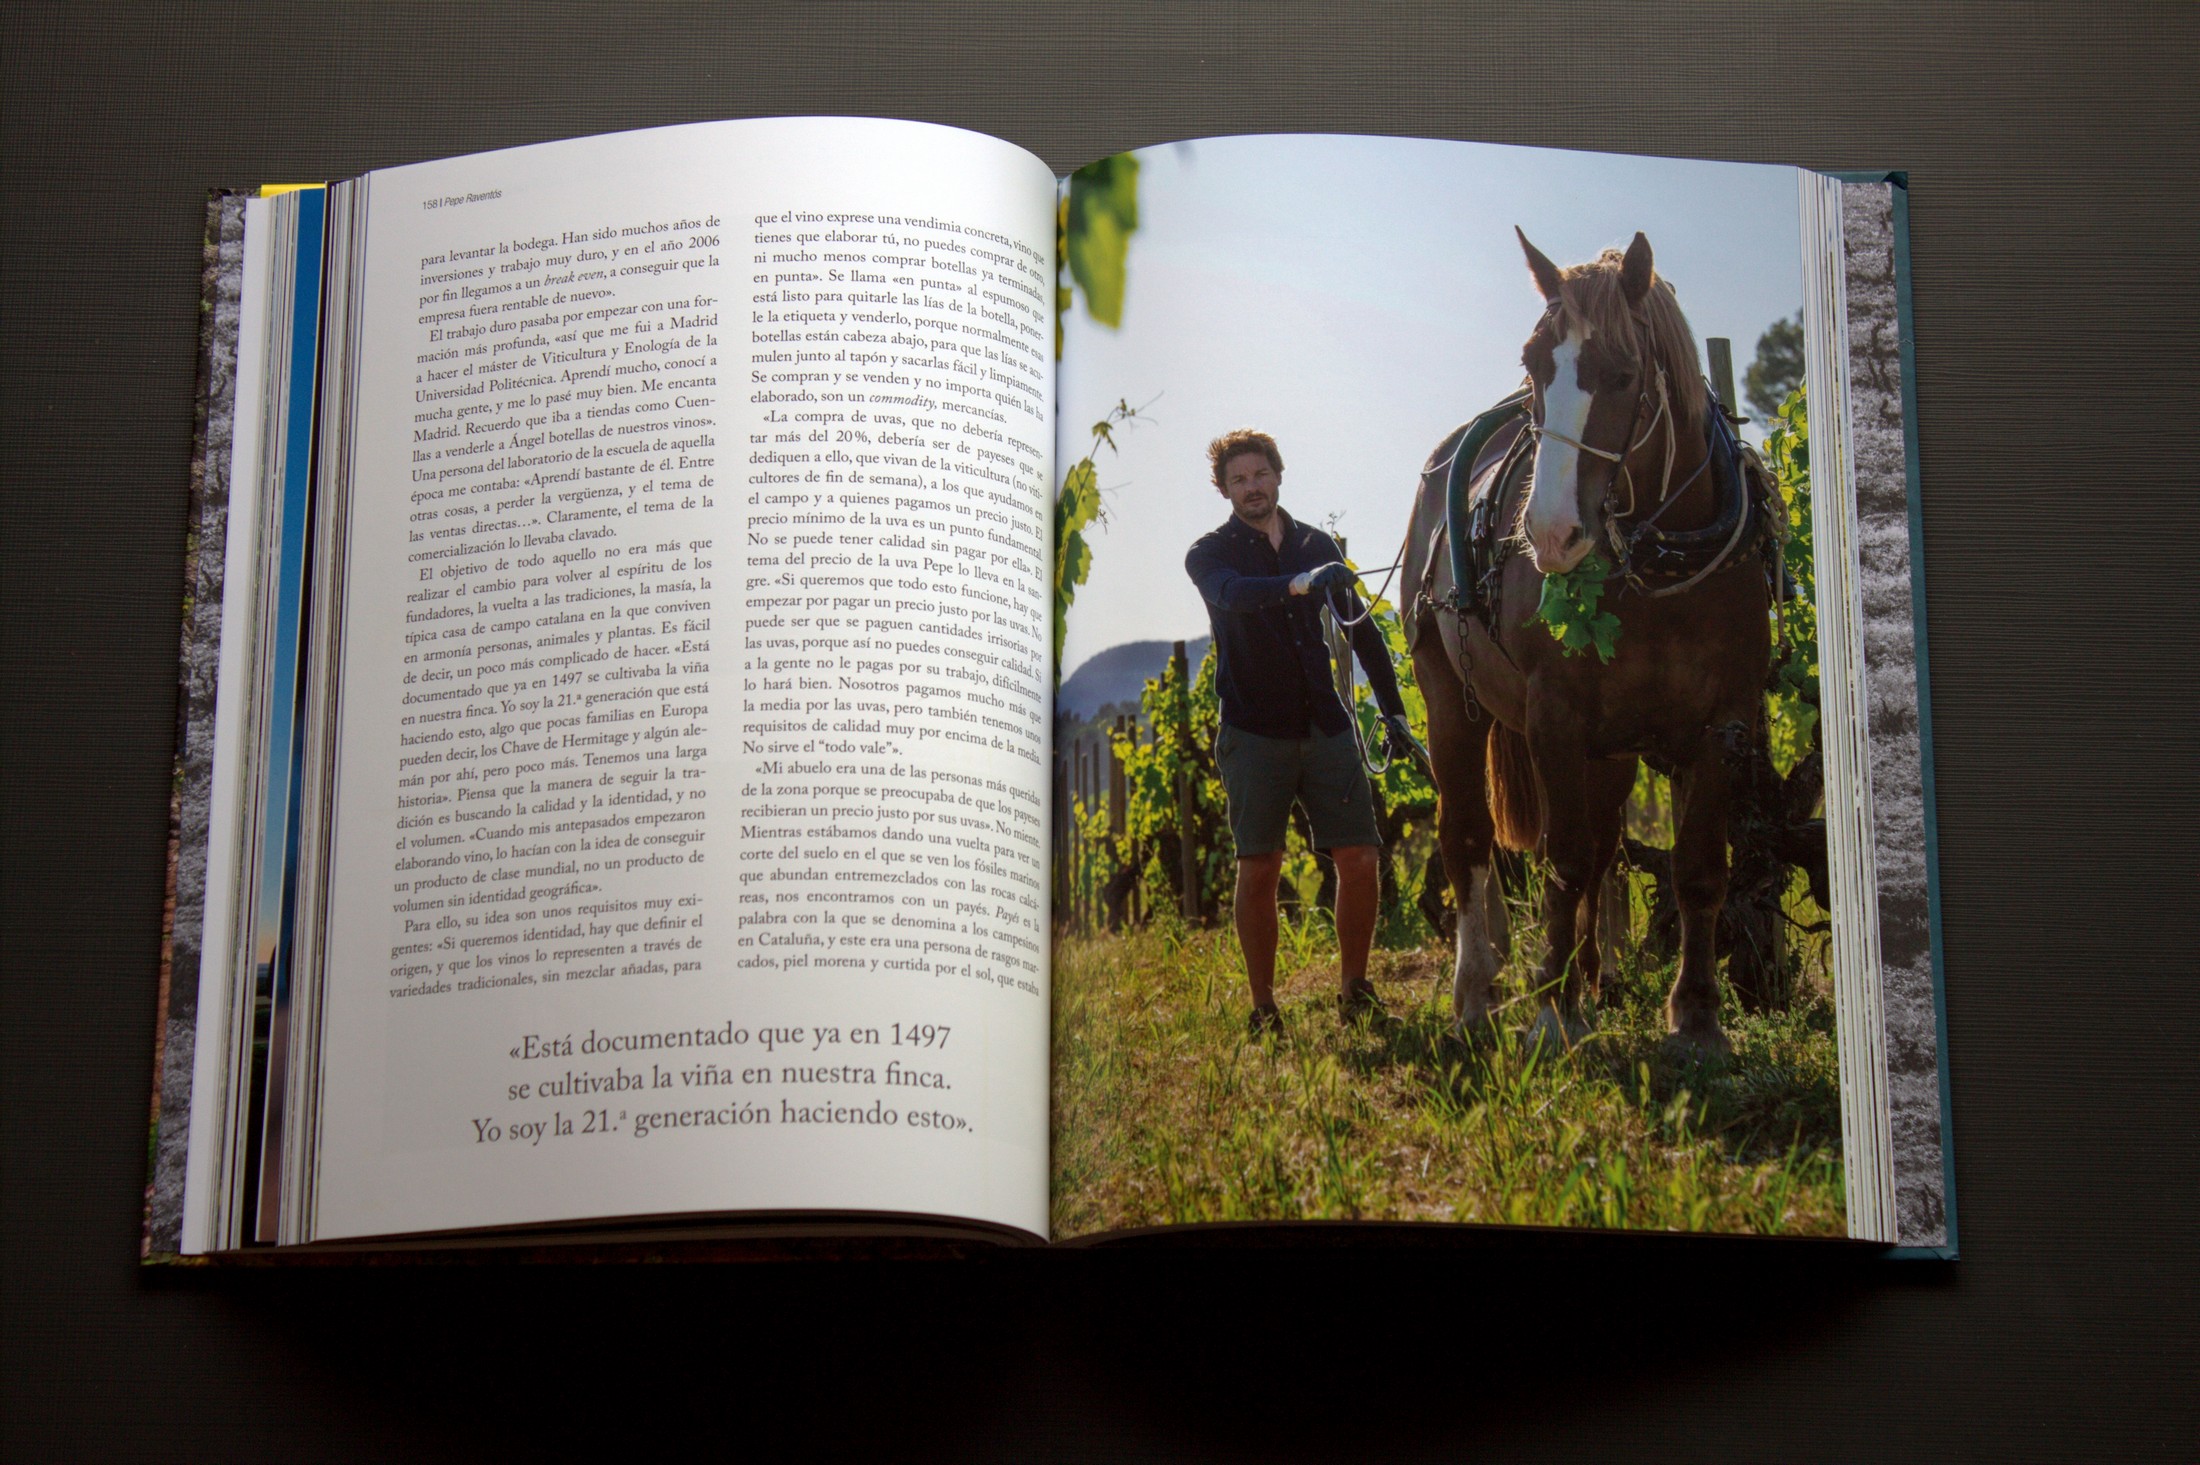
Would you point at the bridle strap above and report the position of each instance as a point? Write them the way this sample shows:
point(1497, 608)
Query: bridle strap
point(1663, 417)
point(1605, 453)
point(1624, 539)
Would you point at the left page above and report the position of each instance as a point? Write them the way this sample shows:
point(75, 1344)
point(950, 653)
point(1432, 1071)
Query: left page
point(688, 770)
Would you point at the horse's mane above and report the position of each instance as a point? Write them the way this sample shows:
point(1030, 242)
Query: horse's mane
point(1593, 293)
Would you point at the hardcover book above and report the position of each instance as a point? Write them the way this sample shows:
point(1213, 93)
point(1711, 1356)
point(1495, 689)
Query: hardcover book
point(807, 678)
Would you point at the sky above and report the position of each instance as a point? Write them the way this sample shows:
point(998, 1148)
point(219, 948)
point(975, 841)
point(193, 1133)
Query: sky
point(1358, 298)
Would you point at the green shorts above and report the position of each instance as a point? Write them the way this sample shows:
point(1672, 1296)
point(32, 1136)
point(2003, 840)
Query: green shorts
point(1264, 776)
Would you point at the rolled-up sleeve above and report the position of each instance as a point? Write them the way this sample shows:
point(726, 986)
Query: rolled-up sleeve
point(1228, 591)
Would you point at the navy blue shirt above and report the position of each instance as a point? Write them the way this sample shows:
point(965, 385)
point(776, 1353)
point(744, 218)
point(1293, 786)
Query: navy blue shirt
point(1274, 675)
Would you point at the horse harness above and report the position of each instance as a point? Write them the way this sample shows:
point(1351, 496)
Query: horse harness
point(1652, 560)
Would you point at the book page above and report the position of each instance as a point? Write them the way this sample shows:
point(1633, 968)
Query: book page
point(688, 849)
point(1622, 1012)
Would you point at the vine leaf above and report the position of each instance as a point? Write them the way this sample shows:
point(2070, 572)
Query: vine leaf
point(1568, 609)
point(1076, 506)
point(1097, 220)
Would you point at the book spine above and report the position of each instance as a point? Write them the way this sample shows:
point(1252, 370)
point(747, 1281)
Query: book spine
point(1879, 746)
point(1882, 432)
point(184, 909)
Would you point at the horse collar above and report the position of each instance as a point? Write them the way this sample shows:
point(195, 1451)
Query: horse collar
point(1656, 561)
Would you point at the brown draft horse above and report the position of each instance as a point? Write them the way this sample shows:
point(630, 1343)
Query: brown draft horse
point(1543, 753)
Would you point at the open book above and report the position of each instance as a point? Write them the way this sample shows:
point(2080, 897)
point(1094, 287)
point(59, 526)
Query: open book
point(629, 790)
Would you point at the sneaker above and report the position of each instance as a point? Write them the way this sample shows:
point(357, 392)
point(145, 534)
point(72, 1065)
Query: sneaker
point(1264, 1022)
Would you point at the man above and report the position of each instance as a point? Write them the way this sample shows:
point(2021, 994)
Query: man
point(1286, 736)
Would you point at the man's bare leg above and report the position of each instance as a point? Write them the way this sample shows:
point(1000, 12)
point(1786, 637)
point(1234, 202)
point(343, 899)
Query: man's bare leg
point(1255, 913)
point(1359, 893)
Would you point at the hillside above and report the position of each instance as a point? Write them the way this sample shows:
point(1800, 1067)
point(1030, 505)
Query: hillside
point(1118, 675)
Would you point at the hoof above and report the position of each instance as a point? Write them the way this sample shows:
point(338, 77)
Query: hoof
point(1473, 1028)
point(1473, 1014)
point(1556, 1033)
point(1699, 1041)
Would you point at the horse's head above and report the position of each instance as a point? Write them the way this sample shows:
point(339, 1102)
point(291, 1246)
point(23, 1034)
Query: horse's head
point(1611, 363)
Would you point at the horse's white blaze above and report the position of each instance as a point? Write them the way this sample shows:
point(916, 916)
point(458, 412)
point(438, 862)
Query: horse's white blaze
point(1554, 509)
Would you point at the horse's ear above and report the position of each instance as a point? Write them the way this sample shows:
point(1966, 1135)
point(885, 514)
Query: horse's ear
point(1539, 265)
point(1635, 273)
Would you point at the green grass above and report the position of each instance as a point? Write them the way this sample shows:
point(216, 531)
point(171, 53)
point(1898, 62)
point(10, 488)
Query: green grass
point(1165, 1112)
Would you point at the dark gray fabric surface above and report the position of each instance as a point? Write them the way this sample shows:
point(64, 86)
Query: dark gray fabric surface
point(2051, 153)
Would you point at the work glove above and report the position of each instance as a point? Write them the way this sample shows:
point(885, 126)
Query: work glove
point(1327, 577)
point(1400, 737)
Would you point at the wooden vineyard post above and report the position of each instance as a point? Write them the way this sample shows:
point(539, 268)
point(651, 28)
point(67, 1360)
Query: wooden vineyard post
point(1118, 790)
point(1114, 907)
point(1187, 852)
point(1086, 758)
point(1062, 835)
point(1076, 836)
point(1133, 903)
point(1720, 351)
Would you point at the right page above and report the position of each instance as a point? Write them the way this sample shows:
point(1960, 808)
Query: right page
point(1441, 764)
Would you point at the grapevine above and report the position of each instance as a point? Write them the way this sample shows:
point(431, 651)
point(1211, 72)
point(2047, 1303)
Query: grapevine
point(1093, 222)
point(1075, 507)
point(1175, 736)
point(1794, 684)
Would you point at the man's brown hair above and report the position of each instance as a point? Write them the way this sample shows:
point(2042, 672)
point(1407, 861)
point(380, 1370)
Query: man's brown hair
point(1244, 440)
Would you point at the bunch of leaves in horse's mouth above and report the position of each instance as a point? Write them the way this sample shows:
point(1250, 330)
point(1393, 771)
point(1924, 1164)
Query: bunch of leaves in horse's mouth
point(1568, 607)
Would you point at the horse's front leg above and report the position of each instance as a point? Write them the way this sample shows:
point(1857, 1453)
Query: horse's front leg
point(1610, 782)
point(1463, 834)
point(1560, 755)
point(1699, 877)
